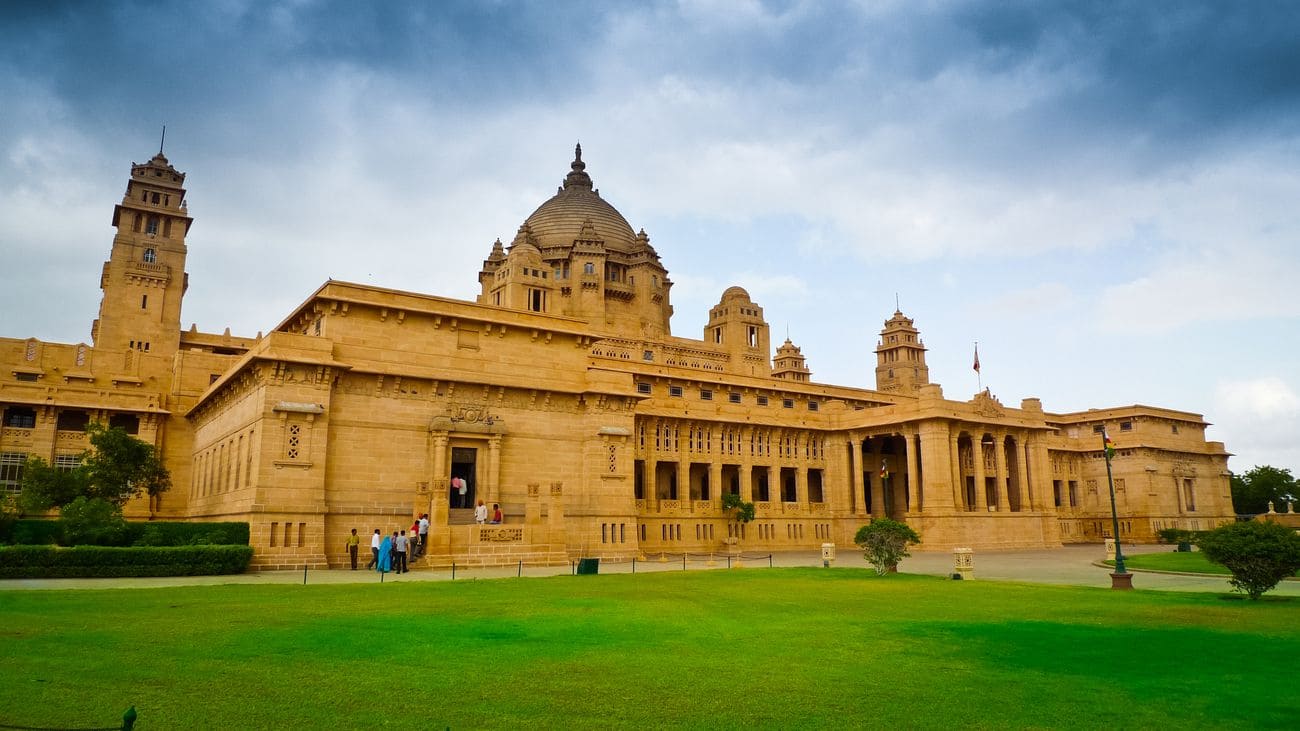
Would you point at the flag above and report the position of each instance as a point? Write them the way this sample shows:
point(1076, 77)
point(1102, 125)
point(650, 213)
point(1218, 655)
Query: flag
point(977, 358)
point(1107, 445)
point(884, 468)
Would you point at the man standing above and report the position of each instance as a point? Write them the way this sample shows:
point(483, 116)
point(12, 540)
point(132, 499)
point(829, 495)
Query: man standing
point(354, 541)
point(424, 534)
point(400, 567)
point(374, 549)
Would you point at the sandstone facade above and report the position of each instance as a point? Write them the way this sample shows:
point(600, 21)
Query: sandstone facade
point(561, 394)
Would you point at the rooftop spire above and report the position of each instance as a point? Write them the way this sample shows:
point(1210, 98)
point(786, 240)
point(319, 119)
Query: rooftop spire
point(578, 171)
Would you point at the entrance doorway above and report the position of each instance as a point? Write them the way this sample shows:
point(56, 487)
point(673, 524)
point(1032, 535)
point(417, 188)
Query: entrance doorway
point(464, 462)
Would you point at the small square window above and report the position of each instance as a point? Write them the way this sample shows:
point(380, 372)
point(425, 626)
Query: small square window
point(28, 377)
point(733, 398)
point(812, 405)
point(647, 355)
point(675, 391)
point(706, 394)
point(787, 403)
point(761, 400)
point(1126, 426)
point(1098, 429)
point(643, 388)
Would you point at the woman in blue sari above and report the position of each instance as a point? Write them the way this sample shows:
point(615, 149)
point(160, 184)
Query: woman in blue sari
point(385, 555)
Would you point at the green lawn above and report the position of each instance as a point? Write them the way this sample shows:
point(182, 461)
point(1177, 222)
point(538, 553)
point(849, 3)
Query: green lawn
point(1193, 562)
point(778, 648)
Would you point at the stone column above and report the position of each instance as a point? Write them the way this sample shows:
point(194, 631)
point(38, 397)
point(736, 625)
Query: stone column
point(1000, 467)
point(684, 481)
point(746, 482)
point(1022, 473)
point(855, 475)
point(958, 478)
point(715, 484)
point(936, 468)
point(494, 470)
point(913, 473)
point(977, 457)
point(801, 487)
point(648, 487)
point(438, 485)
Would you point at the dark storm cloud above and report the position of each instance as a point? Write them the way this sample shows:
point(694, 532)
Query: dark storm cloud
point(1186, 69)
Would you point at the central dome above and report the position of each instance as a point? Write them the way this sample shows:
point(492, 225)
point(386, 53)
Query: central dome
point(559, 221)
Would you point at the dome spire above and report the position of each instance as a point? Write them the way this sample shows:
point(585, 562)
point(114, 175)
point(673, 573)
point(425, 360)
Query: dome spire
point(577, 176)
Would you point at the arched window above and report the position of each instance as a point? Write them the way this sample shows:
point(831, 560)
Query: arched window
point(150, 256)
point(151, 227)
point(136, 226)
point(588, 268)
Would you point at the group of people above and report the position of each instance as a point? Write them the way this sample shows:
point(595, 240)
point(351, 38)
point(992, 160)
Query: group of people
point(396, 552)
point(481, 513)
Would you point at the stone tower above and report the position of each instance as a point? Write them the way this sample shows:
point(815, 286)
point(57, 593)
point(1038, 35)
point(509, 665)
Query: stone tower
point(789, 363)
point(736, 325)
point(900, 357)
point(144, 278)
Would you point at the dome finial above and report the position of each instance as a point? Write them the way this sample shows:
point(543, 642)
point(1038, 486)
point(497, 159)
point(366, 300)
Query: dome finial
point(578, 171)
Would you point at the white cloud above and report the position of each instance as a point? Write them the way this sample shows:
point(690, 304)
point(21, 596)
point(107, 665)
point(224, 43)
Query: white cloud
point(1259, 420)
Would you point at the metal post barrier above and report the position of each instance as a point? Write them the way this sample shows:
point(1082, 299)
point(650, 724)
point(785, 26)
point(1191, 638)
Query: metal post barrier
point(453, 570)
point(634, 564)
point(521, 569)
point(304, 574)
point(769, 560)
point(683, 562)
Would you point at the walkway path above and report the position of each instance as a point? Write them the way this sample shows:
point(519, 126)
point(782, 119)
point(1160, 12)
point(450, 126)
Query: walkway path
point(1071, 565)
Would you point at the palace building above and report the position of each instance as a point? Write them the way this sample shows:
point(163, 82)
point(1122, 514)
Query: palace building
point(562, 394)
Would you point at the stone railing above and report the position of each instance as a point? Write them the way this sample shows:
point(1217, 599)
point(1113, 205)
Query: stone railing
point(818, 509)
point(500, 534)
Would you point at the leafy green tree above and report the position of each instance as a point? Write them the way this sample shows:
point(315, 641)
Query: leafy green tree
point(741, 511)
point(1258, 553)
point(45, 486)
point(1252, 491)
point(884, 543)
point(120, 467)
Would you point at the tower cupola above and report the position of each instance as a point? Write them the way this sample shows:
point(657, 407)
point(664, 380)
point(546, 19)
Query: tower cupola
point(900, 357)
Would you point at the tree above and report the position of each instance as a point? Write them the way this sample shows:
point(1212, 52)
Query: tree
point(1258, 553)
point(1252, 491)
point(120, 467)
point(884, 543)
point(46, 486)
point(90, 496)
point(741, 511)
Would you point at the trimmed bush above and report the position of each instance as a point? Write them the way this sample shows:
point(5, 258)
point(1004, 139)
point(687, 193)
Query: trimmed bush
point(171, 533)
point(49, 562)
point(1259, 554)
point(33, 532)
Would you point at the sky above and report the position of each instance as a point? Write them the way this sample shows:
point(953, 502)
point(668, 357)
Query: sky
point(1104, 195)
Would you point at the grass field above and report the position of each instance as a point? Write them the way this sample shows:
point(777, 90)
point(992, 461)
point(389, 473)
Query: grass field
point(779, 648)
point(1193, 562)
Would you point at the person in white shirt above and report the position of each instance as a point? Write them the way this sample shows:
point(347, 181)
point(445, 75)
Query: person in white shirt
point(424, 534)
point(480, 513)
point(374, 550)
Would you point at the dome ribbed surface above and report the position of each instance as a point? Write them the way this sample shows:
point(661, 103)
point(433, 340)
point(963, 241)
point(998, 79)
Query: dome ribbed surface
point(558, 221)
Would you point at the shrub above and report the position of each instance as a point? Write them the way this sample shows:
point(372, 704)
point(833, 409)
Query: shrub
point(37, 562)
point(94, 522)
point(1258, 553)
point(884, 543)
point(171, 533)
point(36, 532)
point(33, 532)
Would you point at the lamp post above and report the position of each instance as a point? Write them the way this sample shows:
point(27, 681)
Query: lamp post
point(1121, 578)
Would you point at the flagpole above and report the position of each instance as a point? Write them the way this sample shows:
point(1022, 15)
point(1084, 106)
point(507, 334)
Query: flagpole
point(1121, 579)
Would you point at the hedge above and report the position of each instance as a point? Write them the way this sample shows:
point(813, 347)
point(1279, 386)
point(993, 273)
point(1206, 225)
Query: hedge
point(51, 562)
point(34, 532)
